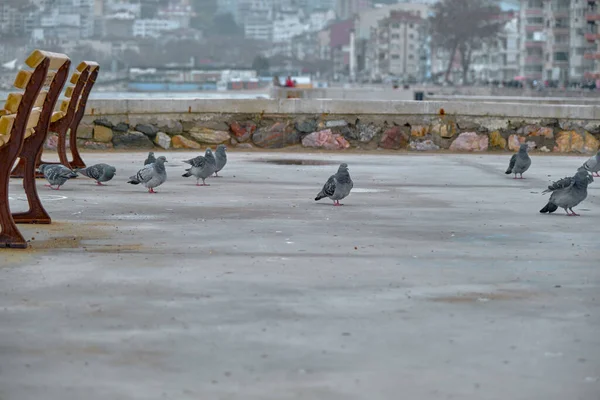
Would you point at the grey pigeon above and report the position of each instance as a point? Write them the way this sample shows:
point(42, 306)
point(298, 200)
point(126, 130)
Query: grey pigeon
point(99, 172)
point(56, 174)
point(220, 158)
point(519, 162)
point(151, 159)
point(338, 186)
point(593, 165)
point(564, 182)
point(201, 167)
point(567, 193)
point(152, 175)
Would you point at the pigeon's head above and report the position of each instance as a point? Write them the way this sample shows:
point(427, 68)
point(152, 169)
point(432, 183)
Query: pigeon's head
point(161, 160)
point(343, 167)
point(42, 167)
point(208, 151)
point(583, 177)
point(150, 154)
point(221, 148)
point(523, 148)
point(111, 170)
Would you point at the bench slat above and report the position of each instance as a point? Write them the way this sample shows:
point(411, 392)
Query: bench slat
point(56, 115)
point(69, 91)
point(49, 78)
point(34, 118)
point(74, 78)
point(92, 64)
point(39, 102)
point(56, 59)
point(22, 79)
point(6, 123)
point(12, 102)
point(64, 105)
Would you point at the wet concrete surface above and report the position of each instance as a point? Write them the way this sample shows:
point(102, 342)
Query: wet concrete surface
point(438, 279)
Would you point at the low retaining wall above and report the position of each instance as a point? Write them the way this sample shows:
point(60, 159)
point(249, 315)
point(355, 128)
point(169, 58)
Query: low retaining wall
point(338, 125)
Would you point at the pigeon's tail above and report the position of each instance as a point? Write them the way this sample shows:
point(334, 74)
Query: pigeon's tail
point(73, 174)
point(133, 180)
point(549, 208)
point(320, 196)
point(187, 174)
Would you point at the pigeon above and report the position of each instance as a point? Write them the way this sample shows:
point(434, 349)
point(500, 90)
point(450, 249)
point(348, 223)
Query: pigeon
point(519, 162)
point(152, 175)
point(220, 158)
point(56, 174)
point(338, 186)
point(150, 158)
point(201, 167)
point(99, 172)
point(567, 193)
point(593, 165)
point(564, 182)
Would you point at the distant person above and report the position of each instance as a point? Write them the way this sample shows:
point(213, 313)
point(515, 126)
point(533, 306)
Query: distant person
point(289, 82)
point(276, 81)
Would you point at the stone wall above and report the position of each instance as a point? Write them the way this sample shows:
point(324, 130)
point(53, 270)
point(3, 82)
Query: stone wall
point(338, 125)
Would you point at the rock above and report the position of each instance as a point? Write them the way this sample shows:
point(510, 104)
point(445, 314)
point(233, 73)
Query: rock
point(306, 126)
point(103, 122)
point(180, 142)
point(89, 145)
point(571, 141)
point(121, 127)
point(52, 142)
point(470, 141)
point(242, 131)
point(534, 130)
point(336, 123)
point(444, 130)
point(244, 146)
point(162, 140)
point(147, 129)
point(544, 149)
point(419, 130)
point(132, 140)
point(170, 126)
point(592, 128)
point(325, 139)
point(425, 145)
point(102, 134)
point(468, 125)
point(591, 144)
point(85, 131)
point(394, 138)
point(279, 135)
point(233, 142)
point(514, 142)
point(497, 141)
point(366, 132)
point(209, 136)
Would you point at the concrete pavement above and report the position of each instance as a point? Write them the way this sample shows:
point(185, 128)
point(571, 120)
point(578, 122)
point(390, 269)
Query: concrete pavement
point(438, 279)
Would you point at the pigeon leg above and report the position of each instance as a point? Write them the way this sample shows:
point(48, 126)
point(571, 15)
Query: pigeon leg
point(568, 213)
point(50, 186)
point(100, 183)
point(574, 213)
point(596, 174)
point(57, 188)
point(515, 176)
point(336, 203)
point(216, 174)
point(521, 176)
point(151, 190)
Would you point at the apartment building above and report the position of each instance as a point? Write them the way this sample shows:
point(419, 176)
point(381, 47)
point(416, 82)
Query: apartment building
point(592, 36)
point(554, 41)
point(396, 46)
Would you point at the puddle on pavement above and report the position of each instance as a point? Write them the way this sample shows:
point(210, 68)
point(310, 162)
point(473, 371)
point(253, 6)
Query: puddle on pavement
point(287, 161)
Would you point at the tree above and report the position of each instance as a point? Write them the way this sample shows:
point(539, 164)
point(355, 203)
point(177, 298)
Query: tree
point(463, 26)
point(260, 65)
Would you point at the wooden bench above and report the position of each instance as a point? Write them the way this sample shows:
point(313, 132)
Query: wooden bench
point(25, 115)
point(68, 118)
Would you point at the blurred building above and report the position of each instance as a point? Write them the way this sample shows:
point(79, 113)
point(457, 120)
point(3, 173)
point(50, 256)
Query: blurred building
point(346, 9)
point(591, 16)
point(395, 46)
